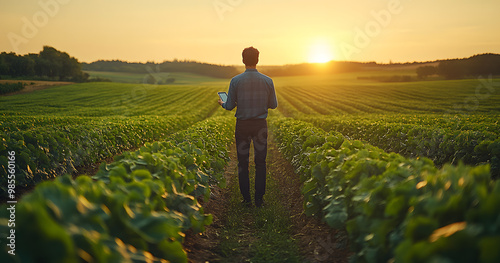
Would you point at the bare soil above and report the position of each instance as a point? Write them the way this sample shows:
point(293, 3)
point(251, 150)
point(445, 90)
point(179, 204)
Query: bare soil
point(203, 247)
point(316, 240)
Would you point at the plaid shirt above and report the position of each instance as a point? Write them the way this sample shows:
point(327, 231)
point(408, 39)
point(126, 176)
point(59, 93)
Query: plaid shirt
point(253, 93)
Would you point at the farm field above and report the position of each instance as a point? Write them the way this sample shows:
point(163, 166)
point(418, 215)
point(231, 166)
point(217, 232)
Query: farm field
point(396, 168)
point(54, 130)
point(179, 78)
point(344, 94)
point(446, 121)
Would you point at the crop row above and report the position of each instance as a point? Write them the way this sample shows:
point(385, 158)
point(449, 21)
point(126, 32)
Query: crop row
point(443, 142)
point(474, 122)
point(343, 94)
point(394, 208)
point(135, 209)
point(112, 99)
point(47, 151)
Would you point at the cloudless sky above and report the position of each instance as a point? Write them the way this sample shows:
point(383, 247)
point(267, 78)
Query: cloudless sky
point(286, 32)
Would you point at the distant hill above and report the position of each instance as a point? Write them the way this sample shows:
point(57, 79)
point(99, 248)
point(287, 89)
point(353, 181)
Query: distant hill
point(52, 64)
point(205, 69)
point(334, 67)
point(478, 65)
point(451, 68)
point(218, 71)
point(482, 64)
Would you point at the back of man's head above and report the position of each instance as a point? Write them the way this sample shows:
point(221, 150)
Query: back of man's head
point(250, 57)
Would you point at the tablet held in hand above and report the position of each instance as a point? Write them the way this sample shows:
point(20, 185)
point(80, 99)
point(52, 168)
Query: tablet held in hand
point(222, 96)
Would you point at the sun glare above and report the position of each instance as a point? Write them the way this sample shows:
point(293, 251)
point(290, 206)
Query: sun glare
point(320, 52)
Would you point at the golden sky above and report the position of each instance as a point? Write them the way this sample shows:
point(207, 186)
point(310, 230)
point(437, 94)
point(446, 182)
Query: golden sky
point(285, 32)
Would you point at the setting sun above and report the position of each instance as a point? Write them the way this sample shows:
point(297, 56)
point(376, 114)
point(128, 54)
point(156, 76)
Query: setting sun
point(320, 52)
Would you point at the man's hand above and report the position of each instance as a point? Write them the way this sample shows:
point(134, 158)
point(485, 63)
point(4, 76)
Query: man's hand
point(221, 102)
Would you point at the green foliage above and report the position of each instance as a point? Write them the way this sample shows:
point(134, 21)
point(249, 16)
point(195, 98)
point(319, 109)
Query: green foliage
point(216, 71)
point(50, 63)
point(394, 207)
point(57, 145)
point(136, 209)
point(478, 65)
point(444, 140)
point(10, 87)
point(426, 71)
point(345, 94)
point(57, 130)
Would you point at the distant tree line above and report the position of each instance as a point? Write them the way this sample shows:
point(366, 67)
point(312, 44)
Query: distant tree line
point(205, 69)
point(48, 64)
point(475, 66)
point(331, 67)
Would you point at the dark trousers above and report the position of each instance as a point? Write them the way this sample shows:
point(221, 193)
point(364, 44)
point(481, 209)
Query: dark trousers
point(246, 131)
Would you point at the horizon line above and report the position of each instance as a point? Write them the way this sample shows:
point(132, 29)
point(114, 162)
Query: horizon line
point(289, 64)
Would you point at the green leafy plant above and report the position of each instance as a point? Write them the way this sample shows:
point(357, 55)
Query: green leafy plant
point(394, 207)
point(135, 209)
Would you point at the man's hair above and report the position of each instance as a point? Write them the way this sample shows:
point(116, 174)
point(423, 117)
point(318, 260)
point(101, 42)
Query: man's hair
point(250, 56)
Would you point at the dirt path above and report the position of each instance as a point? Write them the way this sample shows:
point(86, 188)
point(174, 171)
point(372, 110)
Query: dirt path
point(33, 85)
point(317, 241)
point(238, 234)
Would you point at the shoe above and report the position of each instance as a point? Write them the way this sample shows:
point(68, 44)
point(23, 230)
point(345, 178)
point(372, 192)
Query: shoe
point(259, 202)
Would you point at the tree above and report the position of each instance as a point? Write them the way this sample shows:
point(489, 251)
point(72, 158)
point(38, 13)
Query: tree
point(475, 66)
point(51, 61)
point(483, 65)
point(80, 77)
point(18, 66)
point(452, 69)
point(70, 67)
point(426, 71)
point(54, 63)
point(4, 68)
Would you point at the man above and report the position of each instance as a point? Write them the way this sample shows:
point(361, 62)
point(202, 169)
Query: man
point(253, 94)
